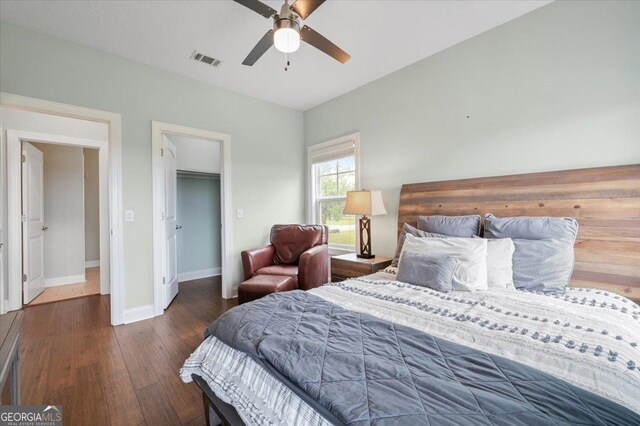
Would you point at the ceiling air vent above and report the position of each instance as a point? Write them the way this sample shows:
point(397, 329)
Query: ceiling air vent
point(197, 56)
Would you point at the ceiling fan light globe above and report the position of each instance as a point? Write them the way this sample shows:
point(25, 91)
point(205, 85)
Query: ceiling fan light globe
point(286, 40)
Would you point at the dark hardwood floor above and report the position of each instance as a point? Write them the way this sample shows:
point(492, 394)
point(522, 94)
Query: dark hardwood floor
point(124, 375)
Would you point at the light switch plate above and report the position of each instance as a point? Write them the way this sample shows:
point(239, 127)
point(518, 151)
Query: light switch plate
point(129, 216)
point(240, 213)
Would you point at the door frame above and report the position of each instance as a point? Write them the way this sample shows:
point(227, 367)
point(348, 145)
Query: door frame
point(110, 170)
point(158, 129)
point(14, 205)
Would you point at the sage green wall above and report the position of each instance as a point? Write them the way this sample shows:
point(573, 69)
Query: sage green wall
point(558, 88)
point(198, 211)
point(266, 140)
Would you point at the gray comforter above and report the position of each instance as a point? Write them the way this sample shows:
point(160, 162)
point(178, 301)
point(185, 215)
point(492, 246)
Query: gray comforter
point(357, 369)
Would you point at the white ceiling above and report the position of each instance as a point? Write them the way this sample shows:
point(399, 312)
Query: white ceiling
point(381, 36)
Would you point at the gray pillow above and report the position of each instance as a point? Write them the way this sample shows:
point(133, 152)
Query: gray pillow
point(542, 265)
point(543, 259)
point(453, 226)
point(427, 270)
point(408, 229)
point(531, 228)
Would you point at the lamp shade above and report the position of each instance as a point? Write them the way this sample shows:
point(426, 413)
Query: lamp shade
point(364, 202)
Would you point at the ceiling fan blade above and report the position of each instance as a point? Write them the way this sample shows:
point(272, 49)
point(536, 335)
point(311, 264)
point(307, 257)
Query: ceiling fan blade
point(320, 42)
point(258, 7)
point(263, 45)
point(304, 8)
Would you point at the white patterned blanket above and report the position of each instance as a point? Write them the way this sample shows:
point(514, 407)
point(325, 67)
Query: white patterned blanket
point(589, 338)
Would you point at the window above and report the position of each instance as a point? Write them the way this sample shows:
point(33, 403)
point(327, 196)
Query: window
point(334, 171)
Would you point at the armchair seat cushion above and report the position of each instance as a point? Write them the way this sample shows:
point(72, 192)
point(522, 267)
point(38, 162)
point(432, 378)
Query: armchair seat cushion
point(262, 285)
point(280, 270)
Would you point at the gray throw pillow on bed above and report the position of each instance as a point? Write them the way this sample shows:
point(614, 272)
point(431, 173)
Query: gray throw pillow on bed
point(453, 226)
point(543, 259)
point(542, 265)
point(408, 229)
point(531, 228)
point(426, 270)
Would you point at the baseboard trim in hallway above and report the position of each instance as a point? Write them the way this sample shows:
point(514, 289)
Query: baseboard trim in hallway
point(138, 314)
point(90, 287)
point(71, 279)
point(196, 275)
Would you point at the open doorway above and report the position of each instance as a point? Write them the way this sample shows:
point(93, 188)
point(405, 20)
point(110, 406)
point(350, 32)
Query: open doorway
point(191, 209)
point(192, 237)
point(61, 222)
point(37, 120)
point(199, 225)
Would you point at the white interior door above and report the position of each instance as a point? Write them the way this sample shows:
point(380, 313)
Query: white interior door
point(32, 222)
point(170, 272)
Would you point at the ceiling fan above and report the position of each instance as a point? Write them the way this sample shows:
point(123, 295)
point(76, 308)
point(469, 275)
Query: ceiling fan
point(286, 33)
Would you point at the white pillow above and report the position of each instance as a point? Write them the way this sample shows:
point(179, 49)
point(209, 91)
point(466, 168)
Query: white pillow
point(471, 272)
point(500, 263)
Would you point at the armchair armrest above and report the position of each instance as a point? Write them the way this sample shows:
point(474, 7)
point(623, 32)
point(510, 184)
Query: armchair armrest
point(256, 258)
point(313, 267)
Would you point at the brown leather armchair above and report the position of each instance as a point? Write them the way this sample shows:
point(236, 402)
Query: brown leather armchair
point(297, 251)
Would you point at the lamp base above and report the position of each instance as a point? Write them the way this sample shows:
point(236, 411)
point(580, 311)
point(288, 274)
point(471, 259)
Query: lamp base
point(365, 238)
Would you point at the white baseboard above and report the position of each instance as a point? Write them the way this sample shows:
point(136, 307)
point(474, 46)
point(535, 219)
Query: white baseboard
point(196, 275)
point(71, 279)
point(138, 314)
point(91, 263)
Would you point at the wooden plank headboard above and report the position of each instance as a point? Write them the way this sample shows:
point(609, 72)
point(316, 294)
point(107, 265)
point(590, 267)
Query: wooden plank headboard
point(604, 200)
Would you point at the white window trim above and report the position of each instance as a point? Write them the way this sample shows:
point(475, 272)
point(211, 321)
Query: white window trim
point(311, 181)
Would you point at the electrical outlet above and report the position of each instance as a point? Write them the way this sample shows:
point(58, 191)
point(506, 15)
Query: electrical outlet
point(240, 213)
point(129, 216)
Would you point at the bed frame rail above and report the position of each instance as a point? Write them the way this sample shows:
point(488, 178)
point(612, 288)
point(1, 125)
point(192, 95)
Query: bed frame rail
point(227, 415)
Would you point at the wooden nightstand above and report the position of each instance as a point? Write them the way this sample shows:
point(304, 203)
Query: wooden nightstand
point(349, 266)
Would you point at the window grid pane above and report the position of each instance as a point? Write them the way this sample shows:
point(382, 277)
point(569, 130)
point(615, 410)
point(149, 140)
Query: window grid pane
point(342, 228)
point(344, 164)
point(327, 186)
point(327, 167)
point(347, 164)
point(346, 182)
point(333, 179)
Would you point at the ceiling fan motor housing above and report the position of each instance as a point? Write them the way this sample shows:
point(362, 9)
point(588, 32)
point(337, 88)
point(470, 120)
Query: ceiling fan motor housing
point(286, 30)
point(286, 23)
point(286, 19)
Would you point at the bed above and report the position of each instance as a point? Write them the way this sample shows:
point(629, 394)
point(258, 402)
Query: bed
point(420, 356)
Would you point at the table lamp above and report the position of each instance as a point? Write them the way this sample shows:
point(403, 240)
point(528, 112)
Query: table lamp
point(365, 203)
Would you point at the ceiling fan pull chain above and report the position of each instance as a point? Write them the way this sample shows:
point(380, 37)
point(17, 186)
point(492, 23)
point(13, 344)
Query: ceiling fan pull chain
point(288, 63)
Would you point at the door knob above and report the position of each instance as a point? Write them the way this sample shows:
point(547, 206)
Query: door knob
point(178, 226)
point(44, 228)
